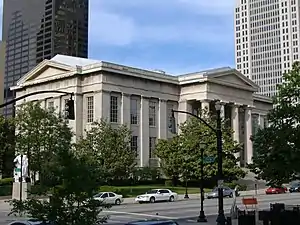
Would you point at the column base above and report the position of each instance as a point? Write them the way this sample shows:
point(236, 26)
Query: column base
point(20, 191)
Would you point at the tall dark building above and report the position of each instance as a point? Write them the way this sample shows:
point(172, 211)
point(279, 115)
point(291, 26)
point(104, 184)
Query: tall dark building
point(34, 30)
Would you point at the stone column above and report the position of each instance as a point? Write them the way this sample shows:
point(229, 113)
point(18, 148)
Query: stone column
point(102, 106)
point(78, 123)
point(235, 126)
point(248, 146)
point(125, 109)
point(162, 119)
point(223, 110)
point(183, 106)
point(205, 103)
point(261, 121)
point(235, 122)
point(144, 129)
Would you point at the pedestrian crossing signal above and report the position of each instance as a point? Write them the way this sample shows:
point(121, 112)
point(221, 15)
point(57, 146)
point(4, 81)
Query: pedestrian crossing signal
point(69, 108)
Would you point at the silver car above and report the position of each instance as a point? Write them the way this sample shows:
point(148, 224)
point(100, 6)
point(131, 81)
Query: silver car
point(227, 192)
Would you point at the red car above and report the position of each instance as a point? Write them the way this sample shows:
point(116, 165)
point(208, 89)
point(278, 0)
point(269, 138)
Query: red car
point(276, 190)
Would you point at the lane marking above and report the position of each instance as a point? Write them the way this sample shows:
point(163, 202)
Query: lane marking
point(142, 214)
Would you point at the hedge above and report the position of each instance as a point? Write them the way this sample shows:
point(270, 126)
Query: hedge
point(6, 181)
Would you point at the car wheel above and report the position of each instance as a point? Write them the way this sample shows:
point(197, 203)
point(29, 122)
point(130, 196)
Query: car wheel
point(141, 202)
point(171, 199)
point(118, 202)
point(152, 200)
point(231, 195)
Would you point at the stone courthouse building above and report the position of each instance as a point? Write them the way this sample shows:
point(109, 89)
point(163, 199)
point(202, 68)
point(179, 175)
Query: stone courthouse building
point(143, 99)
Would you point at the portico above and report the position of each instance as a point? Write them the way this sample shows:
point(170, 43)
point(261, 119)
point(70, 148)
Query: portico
point(144, 99)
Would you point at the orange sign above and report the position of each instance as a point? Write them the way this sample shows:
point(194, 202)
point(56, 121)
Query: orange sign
point(249, 201)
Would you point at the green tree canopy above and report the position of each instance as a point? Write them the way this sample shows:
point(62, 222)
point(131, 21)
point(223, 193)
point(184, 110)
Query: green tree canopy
point(183, 151)
point(70, 179)
point(7, 146)
point(39, 132)
point(277, 150)
point(110, 148)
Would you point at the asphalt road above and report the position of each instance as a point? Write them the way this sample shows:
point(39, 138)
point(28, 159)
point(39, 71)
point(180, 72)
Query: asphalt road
point(185, 212)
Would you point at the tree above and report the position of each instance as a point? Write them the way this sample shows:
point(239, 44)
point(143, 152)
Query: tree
point(73, 182)
point(172, 156)
point(39, 132)
point(110, 148)
point(183, 152)
point(7, 146)
point(277, 151)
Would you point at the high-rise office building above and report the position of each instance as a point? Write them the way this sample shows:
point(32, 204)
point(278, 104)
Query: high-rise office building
point(266, 40)
point(2, 69)
point(35, 30)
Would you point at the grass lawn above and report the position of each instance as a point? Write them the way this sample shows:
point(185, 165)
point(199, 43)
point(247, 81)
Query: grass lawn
point(133, 191)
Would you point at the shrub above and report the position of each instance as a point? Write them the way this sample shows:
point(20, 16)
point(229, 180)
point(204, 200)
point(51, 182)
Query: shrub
point(168, 183)
point(6, 190)
point(6, 181)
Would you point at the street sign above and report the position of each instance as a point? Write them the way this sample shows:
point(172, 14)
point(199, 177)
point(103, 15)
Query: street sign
point(209, 159)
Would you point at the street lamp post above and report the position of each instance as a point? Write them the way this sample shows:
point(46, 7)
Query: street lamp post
point(186, 196)
point(221, 220)
point(202, 217)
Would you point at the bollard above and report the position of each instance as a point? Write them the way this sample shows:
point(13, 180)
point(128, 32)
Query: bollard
point(228, 220)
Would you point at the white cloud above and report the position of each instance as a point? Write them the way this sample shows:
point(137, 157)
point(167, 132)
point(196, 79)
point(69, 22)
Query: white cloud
point(109, 27)
point(209, 7)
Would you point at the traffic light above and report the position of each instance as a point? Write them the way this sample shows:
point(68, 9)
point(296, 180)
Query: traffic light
point(69, 108)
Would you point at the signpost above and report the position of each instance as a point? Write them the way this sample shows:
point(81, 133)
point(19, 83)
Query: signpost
point(209, 159)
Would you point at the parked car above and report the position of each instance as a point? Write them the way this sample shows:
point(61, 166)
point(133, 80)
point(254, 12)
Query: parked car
point(227, 192)
point(110, 198)
point(153, 222)
point(276, 190)
point(157, 195)
point(295, 187)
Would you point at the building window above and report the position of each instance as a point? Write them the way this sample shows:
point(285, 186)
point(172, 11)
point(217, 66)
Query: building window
point(152, 113)
point(90, 109)
point(64, 112)
point(152, 143)
point(169, 114)
point(134, 144)
point(51, 105)
point(113, 109)
point(134, 111)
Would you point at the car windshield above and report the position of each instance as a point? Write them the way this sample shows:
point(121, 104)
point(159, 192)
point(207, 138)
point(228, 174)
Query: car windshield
point(295, 185)
point(215, 189)
point(151, 192)
point(98, 195)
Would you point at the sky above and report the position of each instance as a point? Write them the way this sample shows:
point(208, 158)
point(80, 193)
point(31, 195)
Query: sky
point(177, 36)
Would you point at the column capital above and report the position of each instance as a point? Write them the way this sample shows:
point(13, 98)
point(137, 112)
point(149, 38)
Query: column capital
point(145, 97)
point(102, 91)
point(163, 100)
point(248, 107)
point(206, 100)
point(126, 94)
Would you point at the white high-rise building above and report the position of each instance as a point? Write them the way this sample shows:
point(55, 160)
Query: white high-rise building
point(266, 40)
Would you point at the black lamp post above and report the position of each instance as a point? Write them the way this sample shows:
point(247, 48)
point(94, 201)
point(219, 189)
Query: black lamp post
point(221, 220)
point(186, 196)
point(202, 217)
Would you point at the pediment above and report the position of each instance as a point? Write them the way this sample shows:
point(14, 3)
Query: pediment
point(46, 69)
point(235, 78)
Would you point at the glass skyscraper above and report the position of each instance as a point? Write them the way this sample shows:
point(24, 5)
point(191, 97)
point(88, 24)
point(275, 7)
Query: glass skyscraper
point(34, 30)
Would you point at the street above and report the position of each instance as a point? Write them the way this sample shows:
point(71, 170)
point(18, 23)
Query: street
point(185, 212)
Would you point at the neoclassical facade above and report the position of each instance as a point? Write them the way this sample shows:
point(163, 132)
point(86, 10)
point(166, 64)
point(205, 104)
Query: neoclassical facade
point(144, 99)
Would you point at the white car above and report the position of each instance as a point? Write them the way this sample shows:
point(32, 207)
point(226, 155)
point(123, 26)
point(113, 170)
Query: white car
point(157, 195)
point(109, 198)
